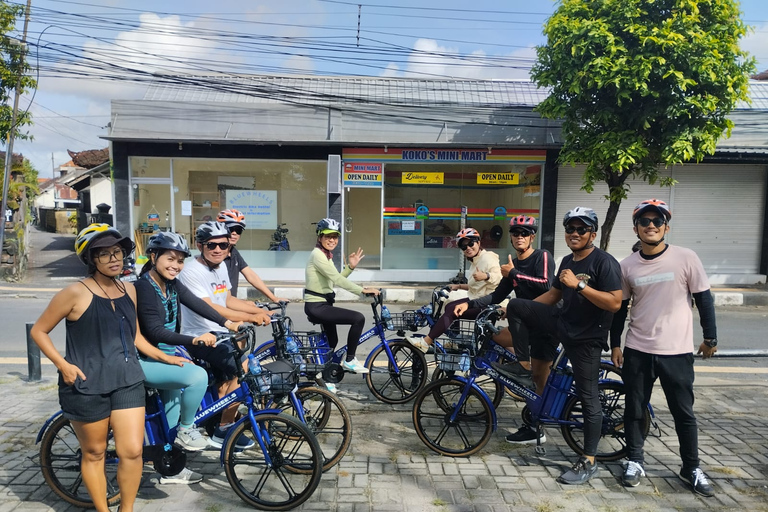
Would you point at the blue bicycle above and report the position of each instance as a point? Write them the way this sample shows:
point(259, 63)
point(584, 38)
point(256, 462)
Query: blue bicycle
point(280, 471)
point(454, 416)
point(397, 370)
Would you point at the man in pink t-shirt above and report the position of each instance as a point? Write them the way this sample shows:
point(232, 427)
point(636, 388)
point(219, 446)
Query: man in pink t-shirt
point(660, 279)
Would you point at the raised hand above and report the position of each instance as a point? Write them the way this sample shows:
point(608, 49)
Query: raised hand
point(355, 257)
point(507, 267)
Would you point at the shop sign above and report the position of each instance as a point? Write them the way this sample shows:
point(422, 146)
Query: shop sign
point(152, 217)
point(498, 178)
point(500, 213)
point(405, 227)
point(422, 212)
point(362, 174)
point(423, 178)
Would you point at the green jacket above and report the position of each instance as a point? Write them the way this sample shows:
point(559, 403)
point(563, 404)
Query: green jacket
point(321, 276)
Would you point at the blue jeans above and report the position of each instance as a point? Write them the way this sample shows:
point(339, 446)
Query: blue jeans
point(181, 388)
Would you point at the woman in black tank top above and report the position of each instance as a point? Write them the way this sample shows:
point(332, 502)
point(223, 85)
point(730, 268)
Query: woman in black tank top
point(100, 379)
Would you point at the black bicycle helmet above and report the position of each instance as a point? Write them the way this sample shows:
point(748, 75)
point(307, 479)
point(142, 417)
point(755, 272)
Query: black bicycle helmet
point(211, 229)
point(166, 241)
point(586, 215)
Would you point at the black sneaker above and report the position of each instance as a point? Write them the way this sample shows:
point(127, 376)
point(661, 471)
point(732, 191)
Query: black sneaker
point(526, 435)
point(633, 470)
point(698, 481)
point(581, 473)
point(516, 372)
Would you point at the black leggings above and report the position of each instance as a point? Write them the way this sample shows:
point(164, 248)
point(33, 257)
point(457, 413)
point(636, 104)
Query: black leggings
point(330, 316)
point(445, 321)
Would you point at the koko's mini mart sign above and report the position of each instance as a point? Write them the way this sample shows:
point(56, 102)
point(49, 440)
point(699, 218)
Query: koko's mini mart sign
point(423, 178)
point(358, 174)
point(498, 178)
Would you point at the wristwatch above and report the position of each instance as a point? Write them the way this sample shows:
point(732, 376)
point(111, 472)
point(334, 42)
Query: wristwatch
point(487, 276)
point(711, 343)
point(580, 287)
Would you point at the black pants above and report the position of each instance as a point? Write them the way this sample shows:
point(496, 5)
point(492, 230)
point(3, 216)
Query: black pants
point(535, 325)
point(330, 316)
point(676, 374)
point(444, 322)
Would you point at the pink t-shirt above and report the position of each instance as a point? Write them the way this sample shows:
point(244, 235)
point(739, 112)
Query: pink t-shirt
point(661, 318)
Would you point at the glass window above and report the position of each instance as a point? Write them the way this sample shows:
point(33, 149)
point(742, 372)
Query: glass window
point(430, 242)
point(150, 167)
point(270, 193)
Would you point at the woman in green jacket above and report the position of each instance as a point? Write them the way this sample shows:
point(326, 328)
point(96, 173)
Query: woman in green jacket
point(321, 277)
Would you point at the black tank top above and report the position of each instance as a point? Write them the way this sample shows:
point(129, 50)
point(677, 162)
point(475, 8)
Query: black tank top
point(101, 344)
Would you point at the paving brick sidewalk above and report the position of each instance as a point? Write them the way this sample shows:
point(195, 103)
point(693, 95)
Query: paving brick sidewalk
point(388, 469)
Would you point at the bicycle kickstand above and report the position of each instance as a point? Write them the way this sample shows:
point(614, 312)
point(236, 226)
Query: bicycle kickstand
point(540, 450)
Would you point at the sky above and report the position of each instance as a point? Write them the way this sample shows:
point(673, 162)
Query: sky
point(85, 53)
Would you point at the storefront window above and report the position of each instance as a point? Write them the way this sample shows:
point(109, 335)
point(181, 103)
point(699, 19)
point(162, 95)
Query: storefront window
point(423, 209)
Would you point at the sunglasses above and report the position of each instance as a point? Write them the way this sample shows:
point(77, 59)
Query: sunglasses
point(581, 230)
point(518, 234)
point(238, 230)
point(645, 222)
point(467, 245)
point(213, 245)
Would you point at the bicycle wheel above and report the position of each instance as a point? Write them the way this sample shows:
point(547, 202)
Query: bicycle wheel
point(462, 437)
point(612, 445)
point(609, 372)
point(328, 420)
point(60, 456)
point(391, 387)
point(281, 475)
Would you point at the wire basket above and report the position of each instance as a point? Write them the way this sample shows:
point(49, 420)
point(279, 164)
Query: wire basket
point(459, 337)
point(454, 362)
point(409, 320)
point(315, 354)
point(277, 378)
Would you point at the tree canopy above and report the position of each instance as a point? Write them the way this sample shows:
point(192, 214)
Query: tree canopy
point(639, 83)
point(12, 65)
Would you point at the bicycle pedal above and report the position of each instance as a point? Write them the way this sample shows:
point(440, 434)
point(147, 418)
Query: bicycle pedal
point(540, 450)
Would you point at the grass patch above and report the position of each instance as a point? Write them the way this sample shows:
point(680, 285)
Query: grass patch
point(547, 506)
point(724, 470)
point(215, 507)
point(438, 502)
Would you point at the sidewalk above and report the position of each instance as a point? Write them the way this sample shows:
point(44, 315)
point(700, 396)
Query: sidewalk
point(53, 265)
point(387, 468)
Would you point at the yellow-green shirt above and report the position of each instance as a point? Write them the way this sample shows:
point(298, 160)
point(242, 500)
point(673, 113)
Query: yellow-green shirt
point(321, 276)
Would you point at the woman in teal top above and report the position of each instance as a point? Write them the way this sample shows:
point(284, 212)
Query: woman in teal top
point(321, 277)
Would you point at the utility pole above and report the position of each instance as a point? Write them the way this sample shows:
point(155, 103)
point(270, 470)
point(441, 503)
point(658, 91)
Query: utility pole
point(12, 131)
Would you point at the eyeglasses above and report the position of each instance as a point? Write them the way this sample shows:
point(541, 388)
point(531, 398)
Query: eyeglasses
point(106, 257)
point(213, 245)
point(331, 236)
point(645, 222)
point(581, 230)
point(518, 234)
point(467, 245)
point(238, 230)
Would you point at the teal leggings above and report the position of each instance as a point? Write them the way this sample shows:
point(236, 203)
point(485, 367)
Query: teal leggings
point(181, 388)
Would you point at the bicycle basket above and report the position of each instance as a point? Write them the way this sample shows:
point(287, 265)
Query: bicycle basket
point(459, 337)
point(449, 362)
point(277, 378)
point(316, 357)
point(408, 321)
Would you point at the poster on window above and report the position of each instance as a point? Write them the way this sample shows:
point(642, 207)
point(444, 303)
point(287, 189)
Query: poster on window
point(258, 206)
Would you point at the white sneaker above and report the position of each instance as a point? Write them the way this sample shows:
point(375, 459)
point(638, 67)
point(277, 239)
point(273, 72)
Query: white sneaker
point(354, 366)
point(331, 387)
point(191, 440)
point(419, 343)
point(186, 476)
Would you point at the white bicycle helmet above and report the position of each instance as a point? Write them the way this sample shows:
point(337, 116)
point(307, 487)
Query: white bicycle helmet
point(211, 229)
point(327, 226)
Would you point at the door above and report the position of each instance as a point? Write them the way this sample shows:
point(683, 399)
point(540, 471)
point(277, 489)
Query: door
point(152, 211)
point(362, 224)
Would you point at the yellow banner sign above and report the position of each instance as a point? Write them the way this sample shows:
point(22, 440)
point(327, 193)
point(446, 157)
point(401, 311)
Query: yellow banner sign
point(498, 178)
point(423, 178)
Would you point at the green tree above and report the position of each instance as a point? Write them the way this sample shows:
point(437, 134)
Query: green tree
point(28, 184)
point(12, 66)
point(639, 83)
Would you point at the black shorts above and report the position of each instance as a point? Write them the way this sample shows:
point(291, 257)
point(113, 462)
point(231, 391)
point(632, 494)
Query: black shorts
point(78, 406)
point(543, 346)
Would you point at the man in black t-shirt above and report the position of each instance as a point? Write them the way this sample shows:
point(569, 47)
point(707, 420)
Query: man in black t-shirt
point(589, 284)
point(236, 265)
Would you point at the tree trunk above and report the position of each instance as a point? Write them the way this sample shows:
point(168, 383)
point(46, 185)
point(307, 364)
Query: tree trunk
point(607, 227)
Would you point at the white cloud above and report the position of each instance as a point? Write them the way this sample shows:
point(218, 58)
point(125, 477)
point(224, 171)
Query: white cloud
point(430, 60)
point(756, 44)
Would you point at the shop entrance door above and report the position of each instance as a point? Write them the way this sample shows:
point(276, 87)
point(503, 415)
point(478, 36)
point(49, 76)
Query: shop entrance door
point(362, 224)
point(152, 211)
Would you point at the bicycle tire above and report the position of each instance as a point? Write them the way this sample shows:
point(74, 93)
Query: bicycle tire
point(393, 388)
point(328, 420)
point(465, 436)
point(612, 445)
point(296, 462)
point(60, 457)
point(610, 372)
